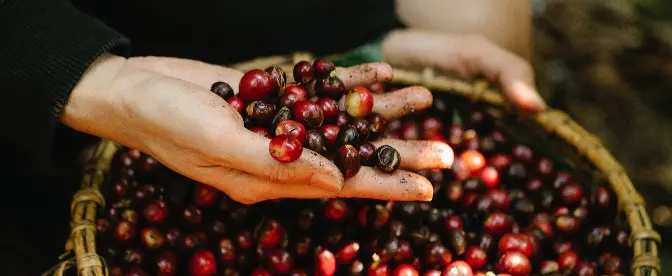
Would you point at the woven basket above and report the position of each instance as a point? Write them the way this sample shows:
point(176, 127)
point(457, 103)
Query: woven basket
point(580, 149)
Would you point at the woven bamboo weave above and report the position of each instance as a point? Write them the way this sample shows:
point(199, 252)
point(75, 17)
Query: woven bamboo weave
point(593, 158)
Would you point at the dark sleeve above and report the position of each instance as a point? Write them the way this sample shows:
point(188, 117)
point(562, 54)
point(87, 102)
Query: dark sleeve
point(46, 47)
point(352, 23)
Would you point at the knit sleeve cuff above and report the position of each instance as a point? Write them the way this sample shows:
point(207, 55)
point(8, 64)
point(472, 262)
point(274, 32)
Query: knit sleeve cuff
point(47, 46)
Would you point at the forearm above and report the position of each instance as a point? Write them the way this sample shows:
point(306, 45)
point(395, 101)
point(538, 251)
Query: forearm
point(507, 23)
point(47, 46)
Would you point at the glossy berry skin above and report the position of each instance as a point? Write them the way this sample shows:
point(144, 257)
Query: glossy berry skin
point(359, 102)
point(124, 231)
point(347, 253)
point(476, 257)
point(330, 87)
point(514, 263)
point(458, 268)
point(256, 85)
point(432, 272)
point(322, 68)
point(490, 176)
point(278, 76)
point(568, 260)
point(516, 242)
point(205, 195)
point(325, 264)
point(152, 238)
point(285, 148)
point(367, 153)
point(166, 263)
point(236, 104)
point(571, 193)
point(497, 223)
point(378, 270)
point(202, 263)
point(473, 159)
point(335, 209)
point(316, 142)
point(270, 233)
point(261, 272)
point(227, 251)
point(347, 160)
point(453, 222)
point(291, 128)
point(330, 133)
point(329, 108)
point(308, 113)
point(387, 159)
point(303, 72)
point(437, 254)
point(222, 89)
point(280, 261)
point(405, 270)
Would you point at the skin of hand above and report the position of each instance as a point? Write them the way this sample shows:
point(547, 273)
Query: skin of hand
point(468, 55)
point(163, 107)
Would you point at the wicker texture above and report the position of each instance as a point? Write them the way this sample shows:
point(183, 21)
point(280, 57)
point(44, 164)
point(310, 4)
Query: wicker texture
point(552, 123)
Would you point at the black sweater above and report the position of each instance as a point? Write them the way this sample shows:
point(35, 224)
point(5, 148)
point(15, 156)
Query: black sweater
point(46, 45)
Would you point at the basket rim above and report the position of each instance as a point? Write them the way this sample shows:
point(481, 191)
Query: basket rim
point(644, 240)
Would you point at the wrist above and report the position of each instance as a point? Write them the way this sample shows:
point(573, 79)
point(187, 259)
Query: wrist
point(91, 102)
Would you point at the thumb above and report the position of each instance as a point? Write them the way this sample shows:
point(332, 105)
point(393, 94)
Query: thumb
point(247, 151)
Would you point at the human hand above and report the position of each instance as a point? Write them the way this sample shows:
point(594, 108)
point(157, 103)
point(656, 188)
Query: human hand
point(467, 55)
point(162, 106)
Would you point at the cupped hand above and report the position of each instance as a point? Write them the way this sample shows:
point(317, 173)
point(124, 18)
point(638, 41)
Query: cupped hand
point(468, 55)
point(163, 107)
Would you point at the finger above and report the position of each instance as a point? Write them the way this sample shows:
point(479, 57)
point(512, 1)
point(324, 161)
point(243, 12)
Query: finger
point(365, 74)
point(421, 155)
point(249, 152)
point(367, 183)
point(401, 102)
point(477, 55)
point(248, 189)
point(193, 71)
point(400, 185)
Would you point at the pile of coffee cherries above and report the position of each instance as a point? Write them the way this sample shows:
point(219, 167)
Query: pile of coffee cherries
point(503, 209)
point(307, 114)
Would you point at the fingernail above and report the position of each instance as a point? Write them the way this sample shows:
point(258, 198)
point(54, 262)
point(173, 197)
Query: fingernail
point(446, 155)
point(327, 181)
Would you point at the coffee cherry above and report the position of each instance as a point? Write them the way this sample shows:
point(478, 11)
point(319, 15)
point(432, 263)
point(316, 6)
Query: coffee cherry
point(134, 256)
point(405, 270)
point(497, 223)
point(285, 148)
point(359, 102)
point(567, 224)
point(130, 215)
point(458, 268)
point(347, 253)
point(291, 128)
point(124, 231)
point(308, 113)
point(166, 263)
point(473, 159)
point(367, 152)
point(335, 209)
point(325, 264)
point(611, 265)
point(514, 263)
point(269, 233)
point(347, 160)
point(457, 241)
point(410, 130)
point(202, 263)
point(454, 222)
point(303, 72)
point(152, 238)
point(222, 89)
point(516, 242)
point(476, 257)
point(568, 260)
point(571, 193)
point(260, 111)
point(280, 261)
point(330, 87)
point(316, 142)
point(172, 237)
point(227, 251)
point(387, 159)
point(329, 108)
point(499, 161)
point(499, 198)
point(362, 127)
point(376, 125)
point(278, 76)
point(205, 195)
point(490, 176)
point(437, 254)
point(330, 133)
point(322, 68)
point(135, 271)
point(256, 85)
point(261, 272)
point(522, 153)
point(585, 269)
